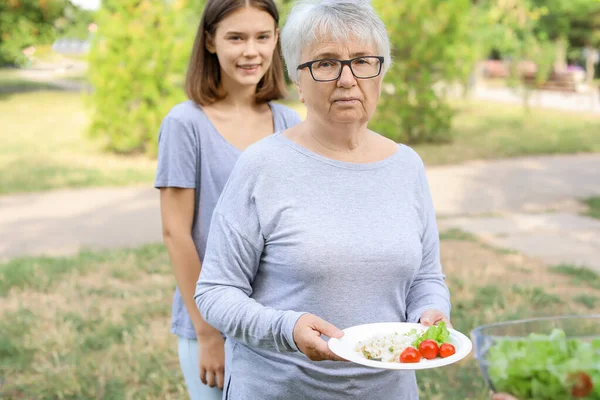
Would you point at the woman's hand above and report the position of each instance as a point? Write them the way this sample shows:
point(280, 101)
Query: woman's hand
point(307, 335)
point(211, 359)
point(433, 317)
point(503, 396)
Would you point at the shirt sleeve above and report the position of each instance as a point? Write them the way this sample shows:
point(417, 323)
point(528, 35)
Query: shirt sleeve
point(232, 260)
point(177, 155)
point(428, 290)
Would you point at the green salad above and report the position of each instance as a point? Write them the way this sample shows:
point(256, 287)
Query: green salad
point(546, 367)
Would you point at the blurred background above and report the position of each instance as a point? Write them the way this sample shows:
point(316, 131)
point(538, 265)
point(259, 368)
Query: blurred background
point(499, 97)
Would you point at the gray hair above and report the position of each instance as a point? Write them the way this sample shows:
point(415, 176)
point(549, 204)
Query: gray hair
point(336, 19)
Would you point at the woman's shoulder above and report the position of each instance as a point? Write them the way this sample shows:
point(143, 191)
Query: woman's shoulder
point(266, 154)
point(410, 155)
point(406, 154)
point(289, 115)
point(186, 113)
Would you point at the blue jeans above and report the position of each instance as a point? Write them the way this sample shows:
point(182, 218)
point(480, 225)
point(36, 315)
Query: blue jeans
point(188, 359)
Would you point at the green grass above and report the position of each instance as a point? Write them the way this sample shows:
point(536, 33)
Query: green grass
point(588, 301)
point(44, 147)
point(42, 273)
point(579, 275)
point(484, 130)
point(14, 353)
point(82, 333)
point(537, 296)
point(594, 207)
point(459, 234)
point(74, 328)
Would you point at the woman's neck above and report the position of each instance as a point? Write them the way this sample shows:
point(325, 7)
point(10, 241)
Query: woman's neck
point(239, 97)
point(338, 138)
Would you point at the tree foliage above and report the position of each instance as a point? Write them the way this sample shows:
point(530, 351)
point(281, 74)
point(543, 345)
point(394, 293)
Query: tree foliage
point(431, 50)
point(25, 23)
point(137, 65)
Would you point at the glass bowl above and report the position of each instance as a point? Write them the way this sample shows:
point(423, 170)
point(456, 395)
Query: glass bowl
point(550, 358)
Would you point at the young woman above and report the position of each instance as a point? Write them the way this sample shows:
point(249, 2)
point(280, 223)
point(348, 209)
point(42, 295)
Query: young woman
point(235, 72)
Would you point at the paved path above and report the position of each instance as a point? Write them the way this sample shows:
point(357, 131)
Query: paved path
point(519, 184)
point(62, 222)
point(554, 238)
point(528, 204)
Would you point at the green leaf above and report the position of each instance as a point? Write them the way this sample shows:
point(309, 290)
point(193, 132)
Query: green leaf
point(438, 333)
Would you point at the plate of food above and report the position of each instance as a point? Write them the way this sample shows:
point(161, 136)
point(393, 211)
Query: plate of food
point(401, 345)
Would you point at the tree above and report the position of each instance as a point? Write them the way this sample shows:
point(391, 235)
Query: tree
point(25, 23)
point(137, 65)
point(585, 33)
point(431, 50)
point(540, 31)
point(510, 27)
point(558, 20)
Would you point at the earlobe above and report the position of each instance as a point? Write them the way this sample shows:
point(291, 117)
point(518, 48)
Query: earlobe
point(300, 95)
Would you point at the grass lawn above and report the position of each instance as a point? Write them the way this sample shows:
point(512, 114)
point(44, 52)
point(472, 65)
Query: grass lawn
point(484, 130)
point(97, 325)
point(44, 145)
point(594, 207)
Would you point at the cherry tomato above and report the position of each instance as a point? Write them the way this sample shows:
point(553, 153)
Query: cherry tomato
point(582, 384)
point(446, 350)
point(410, 355)
point(429, 349)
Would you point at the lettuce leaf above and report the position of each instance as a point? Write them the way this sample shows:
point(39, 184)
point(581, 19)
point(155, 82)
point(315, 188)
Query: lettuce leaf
point(438, 332)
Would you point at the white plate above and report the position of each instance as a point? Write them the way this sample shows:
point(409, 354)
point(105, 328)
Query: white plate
point(345, 346)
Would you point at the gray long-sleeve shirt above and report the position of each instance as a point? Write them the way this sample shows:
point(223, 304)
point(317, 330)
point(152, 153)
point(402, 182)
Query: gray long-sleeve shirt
point(296, 232)
point(185, 133)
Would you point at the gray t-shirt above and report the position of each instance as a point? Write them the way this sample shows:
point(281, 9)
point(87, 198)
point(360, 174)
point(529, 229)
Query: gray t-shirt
point(297, 232)
point(185, 131)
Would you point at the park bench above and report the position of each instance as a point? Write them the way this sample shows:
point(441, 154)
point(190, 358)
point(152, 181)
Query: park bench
point(557, 81)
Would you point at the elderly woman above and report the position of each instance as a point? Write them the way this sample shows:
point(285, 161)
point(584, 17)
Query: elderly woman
point(323, 226)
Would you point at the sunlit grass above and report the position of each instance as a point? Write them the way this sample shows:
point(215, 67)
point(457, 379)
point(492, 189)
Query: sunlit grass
point(96, 325)
point(44, 146)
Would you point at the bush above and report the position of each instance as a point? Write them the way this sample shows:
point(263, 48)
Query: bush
point(25, 23)
point(137, 65)
point(430, 46)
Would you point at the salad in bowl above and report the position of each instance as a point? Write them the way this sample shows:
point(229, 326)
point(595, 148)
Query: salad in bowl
point(551, 358)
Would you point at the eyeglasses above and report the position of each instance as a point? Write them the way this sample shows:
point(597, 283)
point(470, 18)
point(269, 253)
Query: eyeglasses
point(330, 69)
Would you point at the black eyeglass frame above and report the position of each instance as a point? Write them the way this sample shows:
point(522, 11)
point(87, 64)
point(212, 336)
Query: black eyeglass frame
point(309, 65)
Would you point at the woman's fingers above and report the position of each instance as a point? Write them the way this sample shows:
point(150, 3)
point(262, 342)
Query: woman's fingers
point(327, 329)
point(203, 375)
point(433, 317)
point(220, 379)
point(307, 335)
point(324, 352)
point(210, 378)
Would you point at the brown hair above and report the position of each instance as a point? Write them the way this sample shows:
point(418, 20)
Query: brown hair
point(202, 82)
